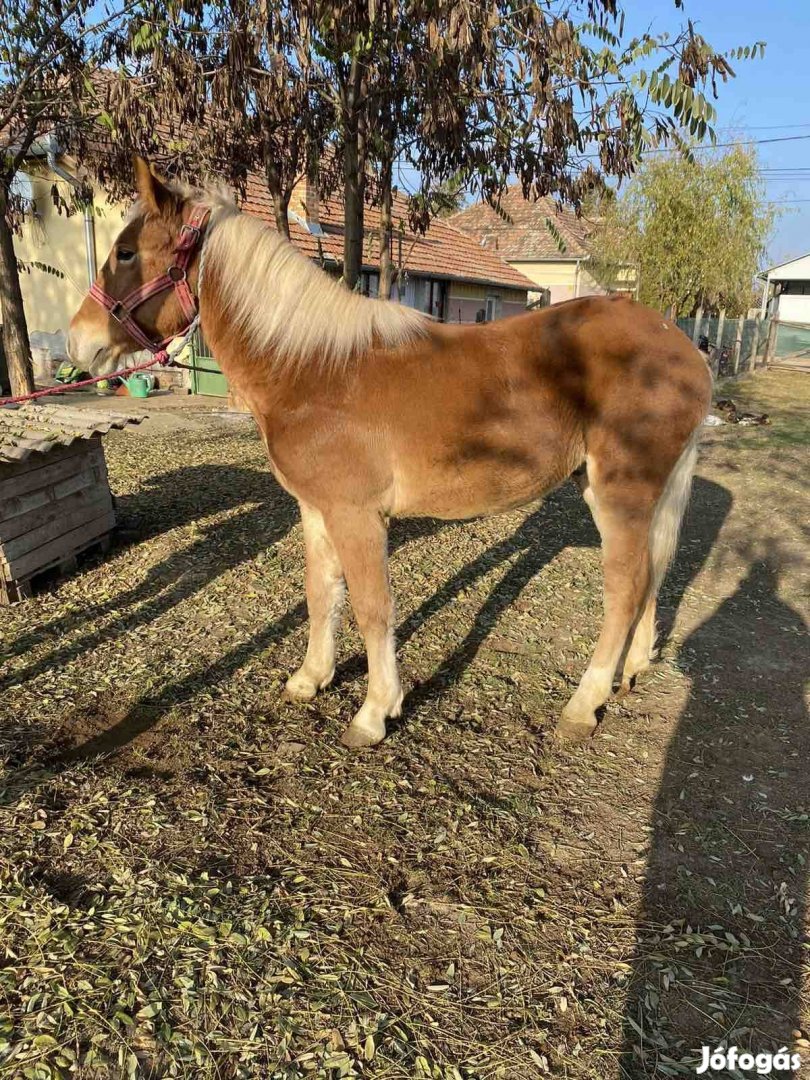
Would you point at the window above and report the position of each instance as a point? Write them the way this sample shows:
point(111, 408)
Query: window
point(796, 288)
point(428, 295)
point(493, 309)
point(370, 283)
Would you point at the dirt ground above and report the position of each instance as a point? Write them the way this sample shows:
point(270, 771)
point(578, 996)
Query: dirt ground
point(197, 880)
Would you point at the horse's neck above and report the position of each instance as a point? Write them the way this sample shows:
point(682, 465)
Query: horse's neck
point(269, 388)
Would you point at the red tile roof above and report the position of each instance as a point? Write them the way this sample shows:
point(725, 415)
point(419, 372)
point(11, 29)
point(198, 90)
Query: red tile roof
point(443, 252)
point(525, 232)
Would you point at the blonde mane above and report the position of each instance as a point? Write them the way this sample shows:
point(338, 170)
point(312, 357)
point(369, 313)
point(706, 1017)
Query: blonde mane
point(285, 304)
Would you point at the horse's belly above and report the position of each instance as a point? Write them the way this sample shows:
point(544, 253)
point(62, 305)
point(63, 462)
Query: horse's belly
point(476, 481)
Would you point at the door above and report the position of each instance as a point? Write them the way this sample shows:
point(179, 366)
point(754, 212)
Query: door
point(206, 375)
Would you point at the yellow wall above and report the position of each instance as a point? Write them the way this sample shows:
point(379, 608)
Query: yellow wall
point(58, 241)
point(560, 278)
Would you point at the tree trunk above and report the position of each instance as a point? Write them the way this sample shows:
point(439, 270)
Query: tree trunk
point(353, 185)
point(15, 329)
point(281, 204)
point(281, 198)
point(386, 197)
point(354, 176)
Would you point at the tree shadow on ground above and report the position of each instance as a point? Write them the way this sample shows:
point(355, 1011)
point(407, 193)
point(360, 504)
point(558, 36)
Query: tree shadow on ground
point(168, 501)
point(180, 576)
point(721, 937)
point(184, 572)
point(189, 493)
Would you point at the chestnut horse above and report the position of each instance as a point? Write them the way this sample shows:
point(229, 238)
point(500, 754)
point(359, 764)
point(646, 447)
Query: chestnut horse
point(370, 410)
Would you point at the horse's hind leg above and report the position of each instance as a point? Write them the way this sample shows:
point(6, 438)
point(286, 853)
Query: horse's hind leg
point(641, 647)
point(325, 595)
point(624, 526)
point(664, 530)
point(641, 643)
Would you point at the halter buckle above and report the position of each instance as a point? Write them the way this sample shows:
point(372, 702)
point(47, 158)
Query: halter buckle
point(173, 270)
point(188, 242)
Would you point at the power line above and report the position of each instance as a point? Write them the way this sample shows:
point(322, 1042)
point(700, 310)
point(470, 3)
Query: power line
point(766, 127)
point(739, 142)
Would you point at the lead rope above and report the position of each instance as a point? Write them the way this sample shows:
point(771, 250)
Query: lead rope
point(164, 357)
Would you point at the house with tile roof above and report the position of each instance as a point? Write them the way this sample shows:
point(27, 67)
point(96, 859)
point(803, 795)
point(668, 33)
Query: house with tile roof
point(548, 244)
point(444, 272)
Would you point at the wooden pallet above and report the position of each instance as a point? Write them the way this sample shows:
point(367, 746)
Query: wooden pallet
point(13, 592)
point(54, 507)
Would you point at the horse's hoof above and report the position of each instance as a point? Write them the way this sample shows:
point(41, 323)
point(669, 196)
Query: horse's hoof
point(300, 688)
point(356, 737)
point(630, 678)
point(366, 729)
point(627, 685)
point(575, 728)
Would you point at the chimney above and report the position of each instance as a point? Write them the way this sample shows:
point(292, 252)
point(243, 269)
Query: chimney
point(304, 204)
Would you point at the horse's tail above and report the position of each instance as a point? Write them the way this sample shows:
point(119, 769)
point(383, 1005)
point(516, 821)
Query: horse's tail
point(669, 511)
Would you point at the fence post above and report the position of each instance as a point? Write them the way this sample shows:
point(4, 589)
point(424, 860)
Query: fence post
point(721, 321)
point(738, 336)
point(757, 343)
point(770, 344)
point(698, 325)
point(718, 351)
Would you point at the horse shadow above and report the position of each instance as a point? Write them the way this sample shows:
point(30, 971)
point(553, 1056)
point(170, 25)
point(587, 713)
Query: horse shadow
point(541, 539)
point(721, 939)
point(561, 520)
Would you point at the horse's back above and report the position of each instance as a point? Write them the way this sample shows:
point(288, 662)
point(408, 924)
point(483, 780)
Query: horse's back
point(486, 417)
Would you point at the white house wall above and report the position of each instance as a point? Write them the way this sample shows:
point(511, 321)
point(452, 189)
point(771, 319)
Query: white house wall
point(795, 309)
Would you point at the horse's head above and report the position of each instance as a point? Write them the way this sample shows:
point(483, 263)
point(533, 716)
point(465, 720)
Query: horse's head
point(143, 251)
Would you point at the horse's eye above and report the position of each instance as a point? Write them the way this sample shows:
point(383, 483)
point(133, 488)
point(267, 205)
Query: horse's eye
point(124, 255)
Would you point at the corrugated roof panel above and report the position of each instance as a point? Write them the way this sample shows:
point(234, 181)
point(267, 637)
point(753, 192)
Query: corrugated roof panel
point(31, 429)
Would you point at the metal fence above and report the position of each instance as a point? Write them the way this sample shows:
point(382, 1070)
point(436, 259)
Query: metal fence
point(745, 340)
point(792, 339)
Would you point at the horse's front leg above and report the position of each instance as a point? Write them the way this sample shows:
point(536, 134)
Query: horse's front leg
point(361, 540)
point(325, 594)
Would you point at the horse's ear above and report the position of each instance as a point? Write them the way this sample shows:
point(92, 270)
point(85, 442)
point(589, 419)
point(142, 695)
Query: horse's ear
point(156, 195)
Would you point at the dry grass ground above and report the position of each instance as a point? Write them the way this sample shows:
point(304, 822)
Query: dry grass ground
point(197, 880)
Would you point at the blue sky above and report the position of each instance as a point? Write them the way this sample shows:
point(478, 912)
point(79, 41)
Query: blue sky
point(769, 98)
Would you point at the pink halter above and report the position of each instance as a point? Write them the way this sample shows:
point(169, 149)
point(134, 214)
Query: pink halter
point(188, 241)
